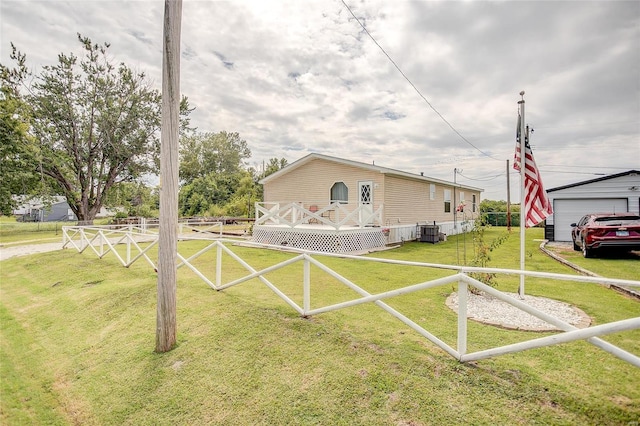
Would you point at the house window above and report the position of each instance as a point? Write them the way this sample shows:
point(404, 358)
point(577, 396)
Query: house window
point(447, 201)
point(339, 193)
point(432, 191)
point(473, 202)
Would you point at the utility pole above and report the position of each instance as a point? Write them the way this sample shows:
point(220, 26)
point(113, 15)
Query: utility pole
point(455, 223)
point(455, 206)
point(168, 238)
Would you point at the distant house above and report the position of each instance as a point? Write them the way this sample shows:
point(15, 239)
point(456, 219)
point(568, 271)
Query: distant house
point(345, 196)
point(613, 193)
point(35, 210)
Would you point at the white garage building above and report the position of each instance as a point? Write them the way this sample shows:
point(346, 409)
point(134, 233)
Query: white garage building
point(613, 193)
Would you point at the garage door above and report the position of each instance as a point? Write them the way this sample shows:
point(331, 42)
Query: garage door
point(566, 212)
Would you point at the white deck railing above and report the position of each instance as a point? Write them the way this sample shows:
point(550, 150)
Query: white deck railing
point(82, 238)
point(335, 215)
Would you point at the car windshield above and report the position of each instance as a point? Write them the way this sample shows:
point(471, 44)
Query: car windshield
point(626, 220)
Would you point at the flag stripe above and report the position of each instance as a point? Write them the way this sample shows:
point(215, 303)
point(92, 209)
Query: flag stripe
point(536, 203)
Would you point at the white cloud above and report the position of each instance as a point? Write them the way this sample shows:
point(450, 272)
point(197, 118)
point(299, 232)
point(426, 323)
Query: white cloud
point(296, 77)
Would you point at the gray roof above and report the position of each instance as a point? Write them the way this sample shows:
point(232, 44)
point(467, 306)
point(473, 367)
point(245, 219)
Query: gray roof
point(600, 179)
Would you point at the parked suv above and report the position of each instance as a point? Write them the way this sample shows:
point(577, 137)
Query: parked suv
point(600, 231)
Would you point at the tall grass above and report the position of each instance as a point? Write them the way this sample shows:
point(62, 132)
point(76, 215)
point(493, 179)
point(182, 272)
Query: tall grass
point(77, 345)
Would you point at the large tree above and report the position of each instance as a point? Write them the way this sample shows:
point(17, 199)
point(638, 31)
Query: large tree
point(211, 169)
point(134, 199)
point(221, 153)
point(273, 166)
point(95, 124)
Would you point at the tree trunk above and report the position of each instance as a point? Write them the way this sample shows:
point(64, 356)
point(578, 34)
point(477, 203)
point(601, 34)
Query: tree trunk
point(167, 249)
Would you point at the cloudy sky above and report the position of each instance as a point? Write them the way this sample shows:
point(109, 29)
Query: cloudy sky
point(295, 77)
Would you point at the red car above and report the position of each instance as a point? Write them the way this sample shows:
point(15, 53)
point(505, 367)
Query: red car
point(599, 231)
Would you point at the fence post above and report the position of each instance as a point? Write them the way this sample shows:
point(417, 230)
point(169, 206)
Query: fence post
point(129, 237)
point(462, 317)
point(294, 212)
point(218, 263)
point(306, 286)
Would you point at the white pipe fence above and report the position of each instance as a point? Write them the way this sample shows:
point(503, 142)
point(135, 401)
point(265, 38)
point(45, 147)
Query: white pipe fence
point(102, 241)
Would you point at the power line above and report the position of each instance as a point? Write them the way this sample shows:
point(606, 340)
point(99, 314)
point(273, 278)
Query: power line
point(590, 124)
point(482, 179)
point(588, 167)
point(413, 85)
point(572, 173)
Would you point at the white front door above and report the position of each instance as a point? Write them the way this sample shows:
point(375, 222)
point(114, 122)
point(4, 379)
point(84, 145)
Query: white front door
point(365, 202)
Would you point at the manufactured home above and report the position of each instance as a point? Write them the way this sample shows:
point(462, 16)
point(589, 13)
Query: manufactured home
point(332, 204)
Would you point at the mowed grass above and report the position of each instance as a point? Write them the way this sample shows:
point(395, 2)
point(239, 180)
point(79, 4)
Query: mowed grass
point(78, 337)
point(12, 232)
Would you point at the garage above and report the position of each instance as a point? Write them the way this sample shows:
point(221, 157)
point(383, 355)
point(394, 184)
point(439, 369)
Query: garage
point(569, 211)
point(613, 193)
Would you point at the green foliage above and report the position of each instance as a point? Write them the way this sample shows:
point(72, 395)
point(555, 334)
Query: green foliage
point(274, 165)
point(203, 154)
point(196, 197)
point(493, 206)
point(94, 124)
point(135, 197)
point(482, 252)
point(495, 213)
point(213, 176)
point(18, 159)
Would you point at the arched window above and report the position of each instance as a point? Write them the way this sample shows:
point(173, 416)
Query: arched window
point(339, 192)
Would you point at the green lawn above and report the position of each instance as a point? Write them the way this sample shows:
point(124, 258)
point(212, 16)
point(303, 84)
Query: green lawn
point(78, 332)
point(12, 232)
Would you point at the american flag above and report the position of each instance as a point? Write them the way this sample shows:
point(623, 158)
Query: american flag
point(537, 206)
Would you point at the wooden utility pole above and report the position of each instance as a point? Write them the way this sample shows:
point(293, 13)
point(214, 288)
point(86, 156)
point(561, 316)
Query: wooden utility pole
point(168, 238)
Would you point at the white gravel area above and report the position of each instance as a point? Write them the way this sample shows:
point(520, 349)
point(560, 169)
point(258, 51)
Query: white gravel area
point(490, 310)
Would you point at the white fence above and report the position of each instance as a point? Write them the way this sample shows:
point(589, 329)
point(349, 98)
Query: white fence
point(102, 241)
point(334, 215)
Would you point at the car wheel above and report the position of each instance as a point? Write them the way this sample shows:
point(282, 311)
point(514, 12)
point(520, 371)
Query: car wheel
point(586, 252)
point(575, 246)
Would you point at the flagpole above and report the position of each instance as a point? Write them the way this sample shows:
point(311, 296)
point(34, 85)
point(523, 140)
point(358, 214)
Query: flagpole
point(523, 207)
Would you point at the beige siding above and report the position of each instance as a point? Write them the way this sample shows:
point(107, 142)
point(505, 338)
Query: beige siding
point(311, 183)
point(408, 201)
point(405, 200)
